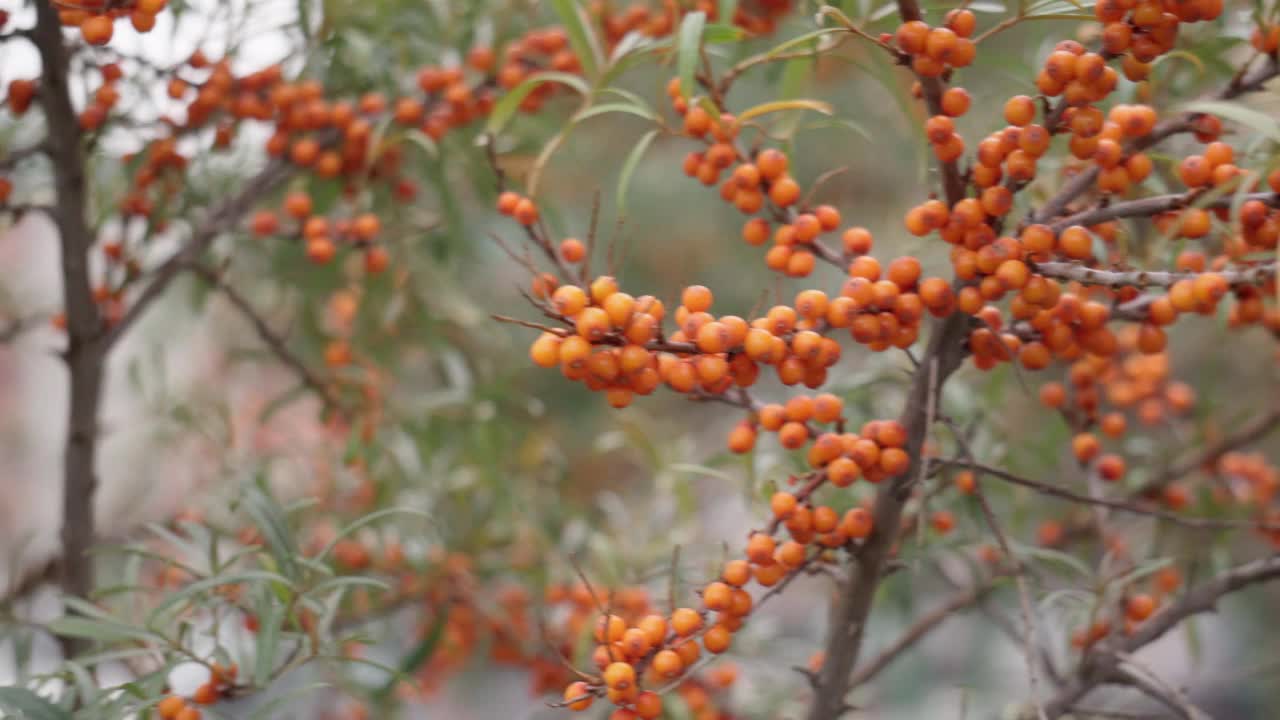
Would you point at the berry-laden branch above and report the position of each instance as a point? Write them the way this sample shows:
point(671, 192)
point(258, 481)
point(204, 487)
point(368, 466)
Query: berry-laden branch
point(83, 355)
point(219, 219)
point(1078, 184)
point(1101, 665)
point(1256, 275)
point(1152, 206)
point(1133, 508)
point(1254, 431)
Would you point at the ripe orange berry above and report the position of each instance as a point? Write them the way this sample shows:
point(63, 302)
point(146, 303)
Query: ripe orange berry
point(784, 191)
point(320, 250)
point(783, 504)
point(1085, 447)
point(525, 212)
point(97, 29)
point(1111, 467)
point(686, 621)
point(717, 639)
point(648, 705)
point(1075, 242)
point(1140, 607)
point(188, 713)
point(619, 676)
point(206, 694)
point(736, 573)
point(760, 549)
point(772, 164)
point(507, 202)
point(169, 707)
point(667, 664)
point(943, 521)
point(717, 596)
point(1019, 110)
point(578, 697)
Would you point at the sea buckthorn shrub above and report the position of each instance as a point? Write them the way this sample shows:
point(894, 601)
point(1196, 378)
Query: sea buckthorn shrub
point(996, 342)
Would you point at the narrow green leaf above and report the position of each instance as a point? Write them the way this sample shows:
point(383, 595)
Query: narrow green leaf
point(629, 169)
point(190, 591)
point(688, 42)
point(506, 107)
point(268, 644)
point(581, 35)
point(270, 519)
point(618, 107)
point(29, 706)
point(779, 105)
point(105, 631)
point(719, 33)
point(797, 41)
point(1256, 120)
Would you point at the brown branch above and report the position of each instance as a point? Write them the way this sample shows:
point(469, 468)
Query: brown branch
point(218, 220)
point(83, 357)
point(1252, 432)
point(943, 355)
point(1150, 206)
point(920, 628)
point(1256, 275)
point(1199, 523)
point(270, 338)
point(1081, 182)
point(1101, 665)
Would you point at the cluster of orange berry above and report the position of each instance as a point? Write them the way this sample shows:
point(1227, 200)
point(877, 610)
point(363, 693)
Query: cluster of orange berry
point(935, 50)
point(638, 647)
point(96, 18)
point(1147, 29)
point(319, 232)
point(176, 707)
point(1133, 609)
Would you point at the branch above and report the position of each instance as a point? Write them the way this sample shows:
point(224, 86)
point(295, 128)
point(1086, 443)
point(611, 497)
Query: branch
point(273, 341)
point(1102, 664)
point(1252, 432)
point(11, 159)
point(83, 357)
point(1081, 182)
point(919, 629)
point(219, 219)
point(1199, 523)
point(1255, 275)
point(1150, 206)
point(1153, 687)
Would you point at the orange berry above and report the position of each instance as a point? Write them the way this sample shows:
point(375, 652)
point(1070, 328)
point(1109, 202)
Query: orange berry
point(206, 694)
point(578, 697)
point(619, 676)
point(1085, 447)
point(1019, 110)
point(667, 664)
point(169, 707)
point(97, 29)
point(525, 212)
point(1140, 607)
point(1111, 467)
point(686, 621)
